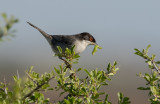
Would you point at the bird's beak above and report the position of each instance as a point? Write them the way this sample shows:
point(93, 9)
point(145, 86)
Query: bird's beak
point(94, 43)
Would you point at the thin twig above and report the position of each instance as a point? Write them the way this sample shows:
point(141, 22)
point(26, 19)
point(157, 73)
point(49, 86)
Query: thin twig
point(5, 90)
point(36, 89)
point(156, 67)
point(156, 97)
point(31, 78)
point(17, 74)
point(67, 63)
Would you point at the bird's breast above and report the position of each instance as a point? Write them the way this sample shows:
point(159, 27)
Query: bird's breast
point(80, 46)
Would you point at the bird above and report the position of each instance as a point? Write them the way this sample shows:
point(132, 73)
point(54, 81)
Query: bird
point(80, 41)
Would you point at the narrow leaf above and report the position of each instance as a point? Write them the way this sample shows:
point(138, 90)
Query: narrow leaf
point(87, 72)
point(95, 49)
point(59, 49)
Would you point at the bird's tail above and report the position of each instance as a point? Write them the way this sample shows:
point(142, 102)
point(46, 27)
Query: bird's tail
point(47, 36)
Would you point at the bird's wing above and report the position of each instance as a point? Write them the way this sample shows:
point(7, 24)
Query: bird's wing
point(67, 39)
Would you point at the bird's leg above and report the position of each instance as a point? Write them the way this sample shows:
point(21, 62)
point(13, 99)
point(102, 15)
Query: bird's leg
point(68, 66)
point(65, 61)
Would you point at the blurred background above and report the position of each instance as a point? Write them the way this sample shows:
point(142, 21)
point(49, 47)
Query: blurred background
point(118, 26)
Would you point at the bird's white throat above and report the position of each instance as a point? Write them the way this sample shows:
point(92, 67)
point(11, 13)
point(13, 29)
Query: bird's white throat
point(80, 46)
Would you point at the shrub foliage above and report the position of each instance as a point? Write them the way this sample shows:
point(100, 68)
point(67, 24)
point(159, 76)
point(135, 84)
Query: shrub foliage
point(78, 90)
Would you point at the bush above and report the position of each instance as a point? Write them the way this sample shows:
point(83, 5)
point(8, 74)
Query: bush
point(79, 90)
point(5, 28)
point(152, 79)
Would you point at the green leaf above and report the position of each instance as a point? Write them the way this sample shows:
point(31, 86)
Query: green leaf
point(88, 100)
point(37, 94)
point(15, 78)
point(45, 86)
point(105, 83)
point(122, 99)
point(143, 88)
point(106, 100)
point(116, 69)
point(50, 89)
point(149, 63)
point(101, 93)
point(148, 48)
point(111, 74)
point(153, 56)
point(154, 90)
point(158, 62)
point(65, 69)
point(96, 96)
point(76, 56)
point(68, 51)
point(154, 74)
point(139, 53)
point(46, 101)
point(136, 50)
point(87, 72)
point(79, 69)
point(72, 50)
point(61, 93)
point(71, 71)
point(67, 101)
point(109, 67)
point(57, 71)
point(120, 96)
point(16, 20)
point(95, 49)
point(33, 98)
point(31, 67)
point(75, 62)
point(4, 15)
point(115, 63)
point(147, 77)
point(59, 49)
point(84, 90)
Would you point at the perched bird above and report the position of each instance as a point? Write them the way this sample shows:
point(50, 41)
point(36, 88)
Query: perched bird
point(81, 41)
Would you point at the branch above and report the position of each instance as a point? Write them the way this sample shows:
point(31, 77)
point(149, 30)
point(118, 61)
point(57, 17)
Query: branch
point(37, 88)
point(5, 90)
point(30, 78)
point(155, 67)
point(156, 97)
point(67, 63)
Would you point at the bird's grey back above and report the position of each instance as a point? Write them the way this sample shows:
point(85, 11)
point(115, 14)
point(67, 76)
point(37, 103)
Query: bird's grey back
point(65, 41)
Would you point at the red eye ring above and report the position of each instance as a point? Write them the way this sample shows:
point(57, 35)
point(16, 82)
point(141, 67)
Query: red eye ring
point(91, 39)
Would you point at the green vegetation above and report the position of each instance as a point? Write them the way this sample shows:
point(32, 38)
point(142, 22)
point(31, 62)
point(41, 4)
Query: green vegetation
point(152, 79)
point(5, 27)
point(78, 90)
point(95, 49)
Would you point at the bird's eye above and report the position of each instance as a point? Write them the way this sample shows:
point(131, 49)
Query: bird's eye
point(91, 39)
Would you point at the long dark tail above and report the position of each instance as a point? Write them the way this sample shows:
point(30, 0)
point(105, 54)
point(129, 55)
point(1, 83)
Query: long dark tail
point(47, 36)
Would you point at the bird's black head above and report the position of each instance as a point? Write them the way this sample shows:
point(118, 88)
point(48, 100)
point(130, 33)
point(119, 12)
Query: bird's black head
point(87, 36)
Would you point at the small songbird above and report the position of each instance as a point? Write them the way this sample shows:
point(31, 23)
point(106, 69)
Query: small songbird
point(81, 41)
